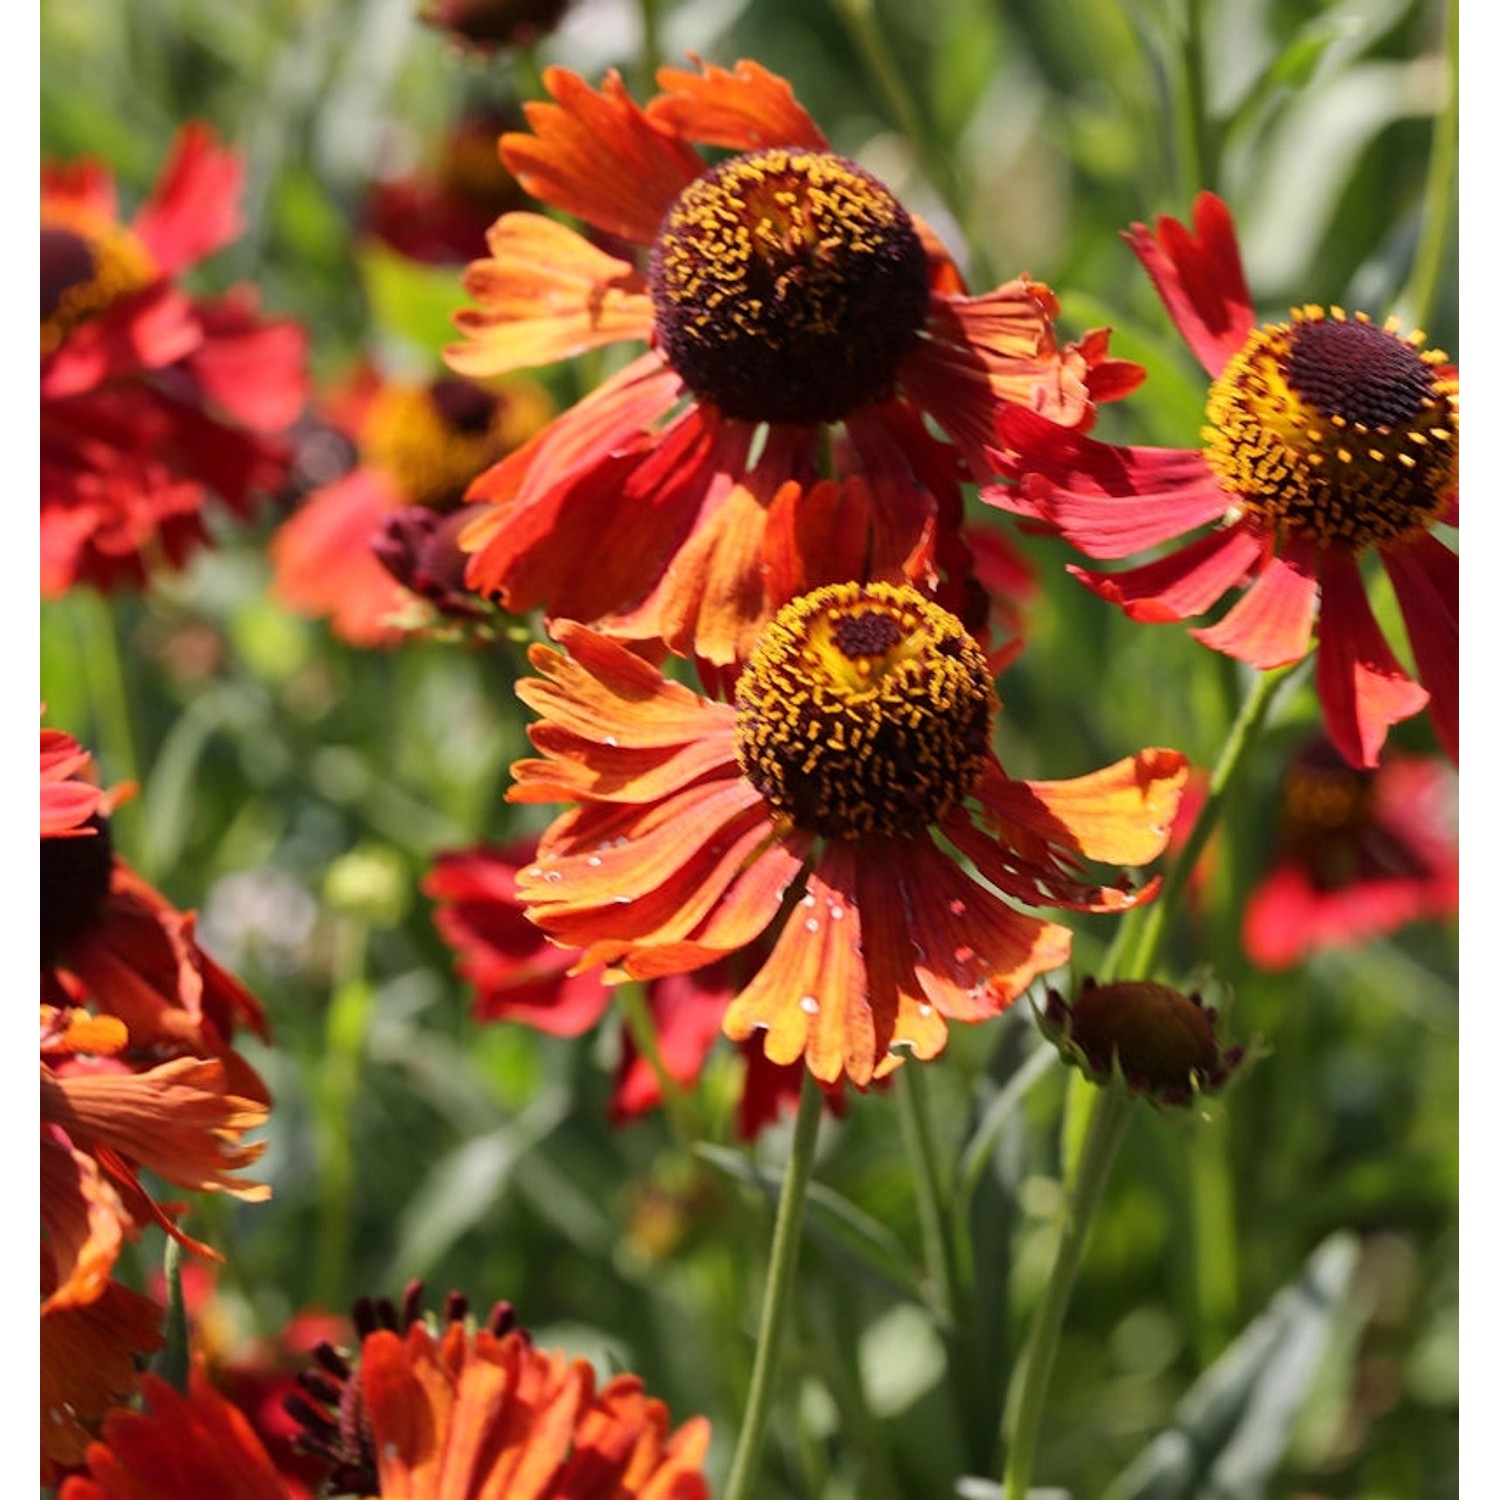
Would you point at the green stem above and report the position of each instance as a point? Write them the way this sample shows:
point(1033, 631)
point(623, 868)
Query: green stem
point(650, 41)
point(1023, 1420)
point(1421, 289)
point(1242, 735)
point(109, 697)
point(781, 1275)
point(888, 79)
point(1214, 1242)
point(933, 1196)
point(1195, 145)
point(175, 1359)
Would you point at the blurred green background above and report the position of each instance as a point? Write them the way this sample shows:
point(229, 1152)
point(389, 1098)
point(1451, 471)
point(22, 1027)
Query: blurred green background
point(294, 791)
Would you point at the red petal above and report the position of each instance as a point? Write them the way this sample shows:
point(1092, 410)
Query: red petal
point(1425, 574)
point(1185, 582)
point(1363, 687)
point(194, 209)
point(1271, 626)
point(1200, 279)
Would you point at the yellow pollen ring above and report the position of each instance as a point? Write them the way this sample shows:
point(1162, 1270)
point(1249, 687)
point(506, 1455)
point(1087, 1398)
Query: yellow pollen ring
point(1336, 429)
point(864, 710)
point(118, 264)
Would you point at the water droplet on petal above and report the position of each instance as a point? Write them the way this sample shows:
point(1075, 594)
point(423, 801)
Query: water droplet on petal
point(553, 877)
point(835, 913)
point(809, 1004)
point(611, 741)
point(924, 1010)
point(594, 861)
point(811, 924)
point(957, 907)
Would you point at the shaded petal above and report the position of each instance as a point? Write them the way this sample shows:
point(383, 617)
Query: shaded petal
point(597, 155)
point(1108, 501)
point(1425, 575)
point(745, 108)
point(686, 1012)
point(1271, 625)
point(251, 368)
point(147, 331)
point(816, 536)
point(1199, 278)
point(1185, 582)
point(1361, 684)
point(194, 208)
point(546, 294)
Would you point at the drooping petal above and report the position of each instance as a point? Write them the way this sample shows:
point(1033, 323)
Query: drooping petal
point(1271, 625)
point(1200, 279)
point(252, 368)
point(194, 209)
point(686, 1011)
point(598, 155)
point(1183, 583)
point(1362, 686)
point(147, 331)
point(1120, 815)
point(545, 294)
point(811, 997)
point(744, 108)
point(1109, 501)
point(1425, 575)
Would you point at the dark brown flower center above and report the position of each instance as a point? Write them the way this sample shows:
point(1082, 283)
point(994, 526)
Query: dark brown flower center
point(76, 874)
point(864, 711)
point(1336, 428)
point(788, 285)
point(87, 264)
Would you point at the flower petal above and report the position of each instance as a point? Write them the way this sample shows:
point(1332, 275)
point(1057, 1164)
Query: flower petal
point(1200, 279)
point(597, 155)
point(1271, 625)
point(1361, 684)
point(746, 108)
point(194, 208)
point(1425, 575)
point(1185, 582)
point(545, 294)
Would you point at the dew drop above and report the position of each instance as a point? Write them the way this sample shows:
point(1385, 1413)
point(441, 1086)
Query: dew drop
point(594, 861)
point(553, 877)
point(809, 899)
point(957, 906)
point(622, 900)
point(809, 1004)
point(811, 924)
point(924, 1010)
point(760, 1026)
point(611, 741)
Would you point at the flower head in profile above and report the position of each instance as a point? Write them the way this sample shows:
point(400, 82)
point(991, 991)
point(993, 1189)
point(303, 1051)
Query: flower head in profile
point(1330, 439)
point(375, 549)
point(784, 296)
point(486, 25)
point(1164, 1044)
point(518, 975)
point(456, 1413)
point(1359, 855)
point(152, 400)
point(825, 813)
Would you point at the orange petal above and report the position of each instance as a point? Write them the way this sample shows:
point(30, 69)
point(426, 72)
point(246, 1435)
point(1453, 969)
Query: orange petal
point(546, 294)
point(597, 155)
point(745, 108)
point(1121, 814)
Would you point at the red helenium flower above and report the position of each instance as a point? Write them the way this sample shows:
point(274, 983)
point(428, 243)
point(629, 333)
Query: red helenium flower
point(1359, 855)
point(151, 399)
point(781, 292)
point(1329, 438)
point(809, 812)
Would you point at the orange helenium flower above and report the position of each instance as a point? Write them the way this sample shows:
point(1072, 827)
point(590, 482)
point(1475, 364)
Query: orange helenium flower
point(1329, 438)
point(781, 291)
point(859, 732)
point(460, 1416)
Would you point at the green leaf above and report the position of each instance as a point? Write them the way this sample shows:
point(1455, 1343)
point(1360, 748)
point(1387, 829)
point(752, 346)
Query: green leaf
point(414, 302)
point(1233, 1426)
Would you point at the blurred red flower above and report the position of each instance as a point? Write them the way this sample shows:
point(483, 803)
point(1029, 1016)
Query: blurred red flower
point(152, 400)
